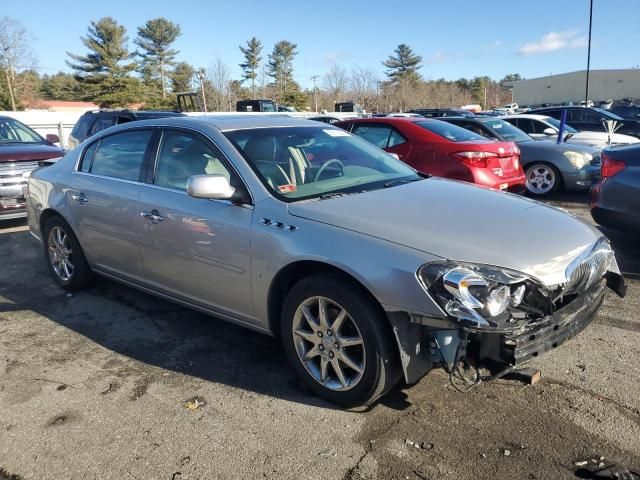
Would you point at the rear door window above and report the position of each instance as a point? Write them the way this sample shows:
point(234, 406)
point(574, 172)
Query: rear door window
point(122, 155)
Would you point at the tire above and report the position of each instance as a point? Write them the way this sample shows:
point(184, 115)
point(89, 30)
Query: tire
point(65, 258)
point(542, 179)
point(364, 320)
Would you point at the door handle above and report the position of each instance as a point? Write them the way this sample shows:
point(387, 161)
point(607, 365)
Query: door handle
point(153, 215)
point(80, 198)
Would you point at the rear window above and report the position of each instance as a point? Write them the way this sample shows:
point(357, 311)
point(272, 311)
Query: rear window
point(450, 132)
point(81, 128)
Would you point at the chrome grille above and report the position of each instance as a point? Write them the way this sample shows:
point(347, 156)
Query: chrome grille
point(588, 267)
point(13, 173)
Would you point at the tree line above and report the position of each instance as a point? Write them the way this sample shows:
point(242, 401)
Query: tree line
point(149, 73)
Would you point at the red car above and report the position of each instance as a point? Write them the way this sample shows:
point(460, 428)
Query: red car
point(21, 151)
point(444, 150)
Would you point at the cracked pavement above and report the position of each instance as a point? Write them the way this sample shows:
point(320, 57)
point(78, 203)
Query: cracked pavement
point(113, 383)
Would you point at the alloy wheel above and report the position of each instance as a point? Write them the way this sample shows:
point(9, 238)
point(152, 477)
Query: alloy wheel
point(60, 253)
point(328, 343)
point(541, 179)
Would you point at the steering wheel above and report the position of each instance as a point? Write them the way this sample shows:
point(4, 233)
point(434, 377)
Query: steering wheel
point(326, 164)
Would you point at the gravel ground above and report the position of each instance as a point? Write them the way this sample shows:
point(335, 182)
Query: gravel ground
point(111, 383)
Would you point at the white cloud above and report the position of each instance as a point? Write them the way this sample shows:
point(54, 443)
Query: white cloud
point(554, 41)
point(440, 57)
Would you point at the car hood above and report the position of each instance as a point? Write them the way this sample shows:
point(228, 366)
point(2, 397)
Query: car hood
point(20, 152)
point(460, 221)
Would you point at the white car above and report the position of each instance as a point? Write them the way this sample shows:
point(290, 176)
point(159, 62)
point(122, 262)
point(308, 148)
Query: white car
point(542, 127)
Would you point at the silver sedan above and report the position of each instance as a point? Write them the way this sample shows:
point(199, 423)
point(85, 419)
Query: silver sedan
point(368, 271)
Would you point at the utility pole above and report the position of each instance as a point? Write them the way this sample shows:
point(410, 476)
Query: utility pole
point(586, 90)
point(315, 96)
point(201, 78)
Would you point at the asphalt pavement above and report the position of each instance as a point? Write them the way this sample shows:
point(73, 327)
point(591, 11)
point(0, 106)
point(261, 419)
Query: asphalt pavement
point(112, 383)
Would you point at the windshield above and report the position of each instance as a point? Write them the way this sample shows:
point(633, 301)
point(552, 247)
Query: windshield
point(556, 123)
point(12, 131)
point(297, 163)
point(506, 130)
point(450, 131)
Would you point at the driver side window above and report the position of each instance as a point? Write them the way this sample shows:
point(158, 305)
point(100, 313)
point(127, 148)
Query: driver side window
point(183, 154)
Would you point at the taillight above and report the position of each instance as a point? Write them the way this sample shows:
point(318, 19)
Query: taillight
point(610, 166)
point(474, 159)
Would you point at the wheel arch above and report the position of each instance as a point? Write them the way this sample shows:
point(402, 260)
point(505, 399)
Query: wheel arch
point(290, 274)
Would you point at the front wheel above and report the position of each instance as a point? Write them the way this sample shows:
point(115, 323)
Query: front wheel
point(542, 179)
point(338, 340)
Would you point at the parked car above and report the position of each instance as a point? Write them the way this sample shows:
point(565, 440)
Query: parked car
point(631, 112)
point(21, 151)
point(591, 119)
point(441, 112)
point(398, 114)
point(615, 199)
point(326, 119)
point(256, 106)
point(437, 148)
point(284, 108)
point(366, 270)
point(548, 167)
point(542, 127)
point(95, 121)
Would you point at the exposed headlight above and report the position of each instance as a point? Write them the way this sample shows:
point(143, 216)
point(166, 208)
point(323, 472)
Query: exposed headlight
point(578, 159)
point(485, 298)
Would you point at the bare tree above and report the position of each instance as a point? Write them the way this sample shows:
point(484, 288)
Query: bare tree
point(335, 81)
point(363, 85)
point(218, 85)
point(15, 53)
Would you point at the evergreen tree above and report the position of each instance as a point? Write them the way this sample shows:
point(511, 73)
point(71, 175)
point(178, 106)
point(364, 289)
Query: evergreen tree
point(61, 86)
point(403, 64)
point(280, 66)
point(106, 69)
point(155, 39)
point(252, 61)
point(181, 77)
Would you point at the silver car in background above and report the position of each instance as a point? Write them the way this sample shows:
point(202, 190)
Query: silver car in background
point(366, 270)
point(548, 167)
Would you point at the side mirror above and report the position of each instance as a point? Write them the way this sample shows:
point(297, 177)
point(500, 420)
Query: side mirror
point(215, 187)
point(550, 131)
point(52, 138)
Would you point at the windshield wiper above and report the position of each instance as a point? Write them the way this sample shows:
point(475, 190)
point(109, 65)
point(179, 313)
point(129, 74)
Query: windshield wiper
point(402, 181)
point(326, 196)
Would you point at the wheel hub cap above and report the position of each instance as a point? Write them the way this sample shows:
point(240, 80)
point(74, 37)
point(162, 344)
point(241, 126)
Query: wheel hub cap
point(328, 343)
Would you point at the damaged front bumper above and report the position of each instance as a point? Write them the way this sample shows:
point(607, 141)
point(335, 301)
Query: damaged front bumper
point(425, 343)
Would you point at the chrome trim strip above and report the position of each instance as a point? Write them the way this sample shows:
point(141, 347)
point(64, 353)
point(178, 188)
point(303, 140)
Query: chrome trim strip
point(190, 256)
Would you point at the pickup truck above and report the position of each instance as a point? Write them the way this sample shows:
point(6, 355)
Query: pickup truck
point(21, 151)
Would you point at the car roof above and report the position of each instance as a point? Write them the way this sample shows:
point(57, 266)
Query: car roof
point(225, 122)
point(390, 120)
point(525, 115)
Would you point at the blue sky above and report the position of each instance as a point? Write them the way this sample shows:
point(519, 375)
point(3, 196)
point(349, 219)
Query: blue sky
point(456, 38)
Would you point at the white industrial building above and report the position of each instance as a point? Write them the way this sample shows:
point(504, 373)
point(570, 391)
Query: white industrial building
point(570, 87)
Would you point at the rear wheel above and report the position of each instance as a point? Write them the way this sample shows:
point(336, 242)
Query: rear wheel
point(65, 257)
point(338, 340)
point(542, 179)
